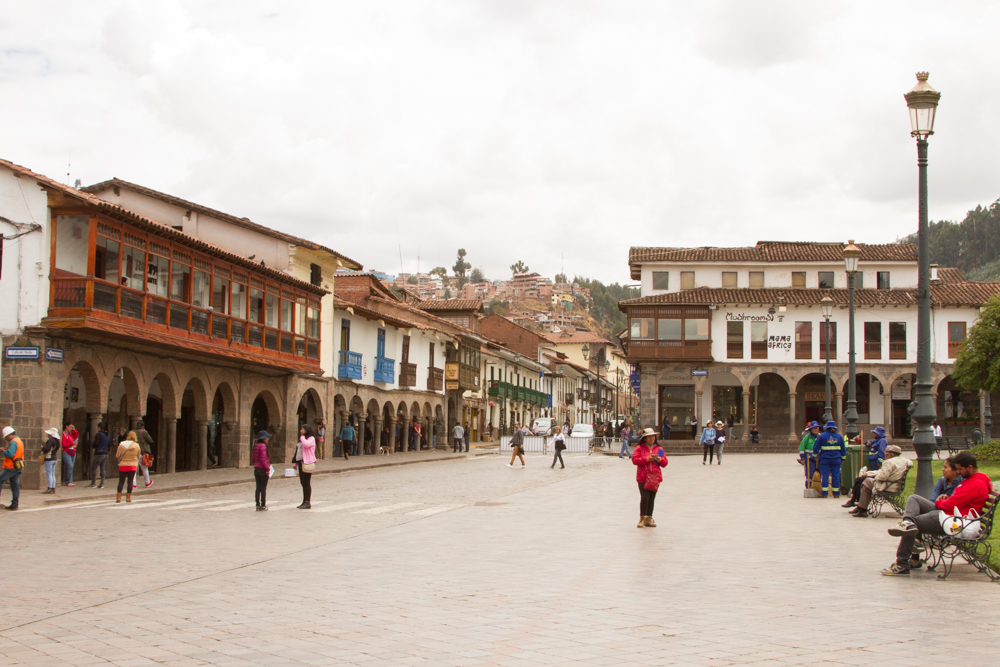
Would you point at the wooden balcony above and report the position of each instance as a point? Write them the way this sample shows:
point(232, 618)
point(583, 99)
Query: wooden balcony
point(873, 350)
point(435, 378)
point(103, 308)
point(407, 375)
point(897, 350)
point(693, 350)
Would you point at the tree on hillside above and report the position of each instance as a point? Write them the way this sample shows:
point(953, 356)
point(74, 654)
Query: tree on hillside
point(968, 245)
point(461, 266)
point(604, 304)
point(561, 279)
point(477, 276)
point(978, 364)
point(412, 280)
point(519, 267)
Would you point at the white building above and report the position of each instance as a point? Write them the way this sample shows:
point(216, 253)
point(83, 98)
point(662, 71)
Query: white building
point(739, 331)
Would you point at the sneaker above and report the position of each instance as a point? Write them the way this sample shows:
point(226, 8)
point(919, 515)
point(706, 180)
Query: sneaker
point(510, 465)
point(100, 486)
point(263, 508)
point(916, 564)
point(257, 509)
point(70, 484)
point(149, 484)
point(896, 569)
point(905, 527)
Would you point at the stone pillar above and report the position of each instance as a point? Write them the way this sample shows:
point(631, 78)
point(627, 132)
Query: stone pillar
point(430, 432)
point(362, 420)
point(441, 432)
point(698, 413)
point(201, 437)
point(133, 420)
point(377, 433)
point(746, 417)
point(392, 435)
point(838, 408)
point(887, 413)
point(793, 433)
point(170, 441)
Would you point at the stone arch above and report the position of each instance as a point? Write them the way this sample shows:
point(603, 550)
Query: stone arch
point(96, 399)
point(810, 393)
point(870, 402)
point(224, 431)
point(161, 414)
point(265, 414)
point(770, 406)
point(723, 396)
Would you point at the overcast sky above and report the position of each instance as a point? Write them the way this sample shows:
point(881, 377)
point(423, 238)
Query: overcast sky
point(515, 129)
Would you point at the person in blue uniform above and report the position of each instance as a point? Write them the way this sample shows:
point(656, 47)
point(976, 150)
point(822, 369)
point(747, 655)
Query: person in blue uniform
point(830, 450)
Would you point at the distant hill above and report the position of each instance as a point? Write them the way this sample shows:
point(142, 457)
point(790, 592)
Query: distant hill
point(604, 304)
point(972, 245)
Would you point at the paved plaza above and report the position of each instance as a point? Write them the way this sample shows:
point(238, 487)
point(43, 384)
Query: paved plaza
point(468, 562)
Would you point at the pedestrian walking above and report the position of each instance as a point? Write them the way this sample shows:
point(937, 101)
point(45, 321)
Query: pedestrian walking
point(261, 470)
point(145, 441)
point(566, 428)
point(720, 440)
point(346, 439)
point(305, 461)
point(50, 451)
point(468, 435)
point(70, 440)
point(457, 433)
point(729, 428)
point(830, 451)
point(694, 427)
point(128, 460)
point(665, 433)
point(649, 461)
point(626, 432)
point(13, 466)
point(320, 440)
point(708, 441)
point(415, 435)
point(558, 444)
point(516, 445)
point(99, 462)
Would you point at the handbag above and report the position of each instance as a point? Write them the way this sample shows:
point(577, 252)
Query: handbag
point(308, 467)
point(654, 475)
point(147, 460)
point(962, 527)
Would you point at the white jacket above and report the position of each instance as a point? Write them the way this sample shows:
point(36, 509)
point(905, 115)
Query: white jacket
point(888, 477)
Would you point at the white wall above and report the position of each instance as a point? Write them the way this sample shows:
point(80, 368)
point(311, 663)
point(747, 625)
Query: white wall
point(902, 275)
point(25, 277)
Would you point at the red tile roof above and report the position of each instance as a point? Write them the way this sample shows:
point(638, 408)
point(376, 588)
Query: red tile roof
point(948, 274)
point(142, 222)
point(451, 304)
point(942, 294)
point(772, 251)
point(245, 223)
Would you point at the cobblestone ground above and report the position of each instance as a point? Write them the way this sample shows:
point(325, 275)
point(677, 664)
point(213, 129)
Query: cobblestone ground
point(468, 562)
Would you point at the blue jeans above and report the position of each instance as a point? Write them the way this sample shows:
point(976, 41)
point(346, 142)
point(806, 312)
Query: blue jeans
point(68, 463)
point(624, 451)
point(828, 469)
point(50, 473)
point(355, 452)
point(14, 477)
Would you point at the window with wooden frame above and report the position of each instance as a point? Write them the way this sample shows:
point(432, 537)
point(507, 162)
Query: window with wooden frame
point(734, 340)
point(798, 279)
point(730, 279)
point(956, 338)
point(803, 340)
point(756, 280)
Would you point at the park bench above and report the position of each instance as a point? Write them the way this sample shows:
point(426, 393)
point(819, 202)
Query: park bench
point(896, 499)
point(945, 549)
point(952, 444)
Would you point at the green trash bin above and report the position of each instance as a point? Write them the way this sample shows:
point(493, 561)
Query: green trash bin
point(851, 466)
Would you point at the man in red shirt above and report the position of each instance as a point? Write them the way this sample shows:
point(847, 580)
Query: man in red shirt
point(923, 516)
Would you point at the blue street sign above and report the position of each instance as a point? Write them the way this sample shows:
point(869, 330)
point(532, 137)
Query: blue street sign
point(698, 372)
point(54, 354)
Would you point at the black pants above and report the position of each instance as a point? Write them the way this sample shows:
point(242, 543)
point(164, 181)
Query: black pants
point(856, 489)
point(124, 475)
point(557, 457)
point(646, 500)
point(260, 493)
point(100, 464)
point(709, 453)
point(305, 479)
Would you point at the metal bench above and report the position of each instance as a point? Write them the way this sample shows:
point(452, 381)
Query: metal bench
point(896, 499)
point(945, 549)
point(952, 443)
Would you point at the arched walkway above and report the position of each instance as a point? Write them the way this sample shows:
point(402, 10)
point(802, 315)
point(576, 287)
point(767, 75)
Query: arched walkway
point(771, 407)
point(192, 427)
point(265, 414)
point(873, 403)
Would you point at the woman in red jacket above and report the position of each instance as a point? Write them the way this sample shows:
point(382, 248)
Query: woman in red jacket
point(648, 458)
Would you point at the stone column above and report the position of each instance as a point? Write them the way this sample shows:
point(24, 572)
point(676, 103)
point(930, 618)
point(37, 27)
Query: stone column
point(887, 413)
point(838, 408)
point(698, 415)
point(392, 435)
point(201, 437)
point(430, 432)
point(170, 442)
point(362, 420)
point(792, 430)
point(746, 417)
point(377, 433)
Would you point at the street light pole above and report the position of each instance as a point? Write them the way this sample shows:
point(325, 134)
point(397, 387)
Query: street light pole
point(922, 102)
point(851, 256)
point(827, 305)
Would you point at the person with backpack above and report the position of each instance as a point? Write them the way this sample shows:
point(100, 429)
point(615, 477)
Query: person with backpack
point(649, 461)
point(516, 445)
point(145, 441)
point(13, 465)
point(558, 444)
point(50, 454)
point(128, 455)
point(102, 448)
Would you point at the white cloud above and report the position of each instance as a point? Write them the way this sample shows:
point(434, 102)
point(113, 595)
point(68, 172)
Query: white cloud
point(517, 130)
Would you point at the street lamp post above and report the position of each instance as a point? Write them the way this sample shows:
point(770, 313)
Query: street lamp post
point(851, 256)
point(827, 305)
point(922, 102)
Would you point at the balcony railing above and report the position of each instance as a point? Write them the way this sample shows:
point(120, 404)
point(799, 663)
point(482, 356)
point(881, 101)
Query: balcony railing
point(897, 350)
point(954, 348)
point(407, 375)
point(349, 367)
point(569, 398)
point(671, 349)
point(873, 350)
point(734, 349)
point(758, 349)
point(435, 378)
point(385, 370)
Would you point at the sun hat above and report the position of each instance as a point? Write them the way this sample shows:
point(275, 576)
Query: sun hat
point(812, 425)
point(718, 423)
point(831, 425)
point(647, 432)
point(263, 435)
point(54, 432)
point(895, 449)
point(879, 431)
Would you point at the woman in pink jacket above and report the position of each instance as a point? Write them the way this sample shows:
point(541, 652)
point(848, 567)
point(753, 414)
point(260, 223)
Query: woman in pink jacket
point(649, 459)
point(305, 461)
point(261, 470)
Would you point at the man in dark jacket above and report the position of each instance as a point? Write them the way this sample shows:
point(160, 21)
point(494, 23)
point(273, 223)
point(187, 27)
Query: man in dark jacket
point(100, 447)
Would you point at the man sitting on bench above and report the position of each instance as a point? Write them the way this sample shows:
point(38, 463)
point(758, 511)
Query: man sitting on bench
point(923, 517)
point(887, 478)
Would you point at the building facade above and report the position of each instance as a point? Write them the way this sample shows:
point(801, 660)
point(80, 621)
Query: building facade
point(720, 332)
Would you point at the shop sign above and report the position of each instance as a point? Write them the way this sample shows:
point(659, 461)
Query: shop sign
point(900, 394)
point(451, 385)
point(451, 372)
point(54, 354)
point(21, 352)
point(816, 396)
point(747, 317)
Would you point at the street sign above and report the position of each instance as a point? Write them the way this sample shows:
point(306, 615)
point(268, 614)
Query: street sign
point(21, 352)
point(451, 385)
point(699, 372)
point(54, 354)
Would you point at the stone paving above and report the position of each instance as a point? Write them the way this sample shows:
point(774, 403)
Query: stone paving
point(468, 562)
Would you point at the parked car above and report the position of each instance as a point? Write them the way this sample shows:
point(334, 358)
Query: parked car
point(582, 431)
point(543, 426)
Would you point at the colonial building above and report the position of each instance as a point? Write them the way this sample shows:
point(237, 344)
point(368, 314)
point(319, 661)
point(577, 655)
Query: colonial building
point(117, 317)
point(739, 332)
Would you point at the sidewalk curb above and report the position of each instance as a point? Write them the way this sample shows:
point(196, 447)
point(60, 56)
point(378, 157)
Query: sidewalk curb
point(232, 482)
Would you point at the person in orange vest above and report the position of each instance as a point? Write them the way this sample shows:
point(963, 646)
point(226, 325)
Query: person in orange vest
point(13, 465)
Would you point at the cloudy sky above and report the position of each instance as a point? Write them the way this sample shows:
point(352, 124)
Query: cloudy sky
point(547, 131)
